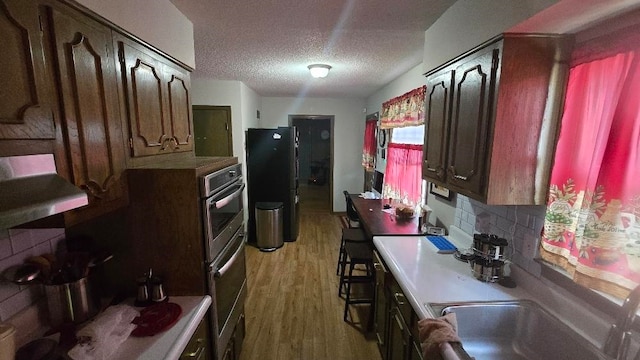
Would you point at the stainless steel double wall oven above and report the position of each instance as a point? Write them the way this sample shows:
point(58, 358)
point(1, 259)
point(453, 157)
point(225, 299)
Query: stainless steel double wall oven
point(187, 223)
point(223, 217)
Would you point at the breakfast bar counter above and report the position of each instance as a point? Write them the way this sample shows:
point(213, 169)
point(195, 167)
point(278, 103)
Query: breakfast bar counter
point(377, 220)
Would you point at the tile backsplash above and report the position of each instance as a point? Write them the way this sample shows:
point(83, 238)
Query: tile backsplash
point(520, 225)
point(16, 245)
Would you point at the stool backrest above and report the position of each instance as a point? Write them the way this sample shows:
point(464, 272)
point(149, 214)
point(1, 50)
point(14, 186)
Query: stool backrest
point(352, 214)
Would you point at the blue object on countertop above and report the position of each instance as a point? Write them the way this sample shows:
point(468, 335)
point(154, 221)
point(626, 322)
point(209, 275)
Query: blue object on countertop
point(444, 246)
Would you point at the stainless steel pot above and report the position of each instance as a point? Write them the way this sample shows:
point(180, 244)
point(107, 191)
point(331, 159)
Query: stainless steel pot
point(486, 269)
point(71, 302)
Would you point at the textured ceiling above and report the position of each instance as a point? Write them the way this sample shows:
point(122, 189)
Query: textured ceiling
point(267, 44)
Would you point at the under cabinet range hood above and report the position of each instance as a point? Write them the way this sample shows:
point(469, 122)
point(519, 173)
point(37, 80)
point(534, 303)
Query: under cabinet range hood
point(31, 189)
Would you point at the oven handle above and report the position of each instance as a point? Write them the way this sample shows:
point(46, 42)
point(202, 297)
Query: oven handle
point(222, 202)
point(219, 272)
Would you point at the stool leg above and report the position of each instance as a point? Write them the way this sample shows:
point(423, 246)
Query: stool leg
point(341, 255)
point(343, 265)
point(348, 293)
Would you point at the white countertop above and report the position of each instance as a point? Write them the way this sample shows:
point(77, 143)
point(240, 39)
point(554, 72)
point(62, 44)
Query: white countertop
point(169, 344)
point(428, 277)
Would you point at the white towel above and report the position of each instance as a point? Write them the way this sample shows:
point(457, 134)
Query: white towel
point(102, 337)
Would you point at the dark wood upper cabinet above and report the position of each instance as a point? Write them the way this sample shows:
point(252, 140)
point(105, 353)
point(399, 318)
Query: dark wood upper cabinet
point(177, 82)
point(473, 81)
point(492, 117)
point(438, 101)
point(26, 91)
point(143, 79)
point(88, 91)
point(75, 85)
point(158, 101)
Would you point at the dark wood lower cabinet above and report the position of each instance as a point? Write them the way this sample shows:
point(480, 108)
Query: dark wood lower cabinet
point(381, 319)
point(198, 347)
point(232, 352)
point(396, 323)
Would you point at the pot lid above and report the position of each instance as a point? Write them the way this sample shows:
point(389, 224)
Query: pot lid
point(30, 189)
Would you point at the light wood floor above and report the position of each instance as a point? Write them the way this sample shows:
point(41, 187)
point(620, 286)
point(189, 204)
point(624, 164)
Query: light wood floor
point(293, 310)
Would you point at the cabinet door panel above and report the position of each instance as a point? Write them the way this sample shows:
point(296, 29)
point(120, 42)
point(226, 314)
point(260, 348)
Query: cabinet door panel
point(437, 131)
point(470, 123)
point(144, 81)
point(397, 336)
point(179, 109)
point(90, 104)
point(26, 85)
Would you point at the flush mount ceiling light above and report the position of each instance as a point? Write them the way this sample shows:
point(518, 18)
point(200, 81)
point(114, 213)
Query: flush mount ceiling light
point(319, 70)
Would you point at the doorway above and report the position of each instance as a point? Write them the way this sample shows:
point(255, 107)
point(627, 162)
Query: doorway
point(212, 130)
point(315, 161)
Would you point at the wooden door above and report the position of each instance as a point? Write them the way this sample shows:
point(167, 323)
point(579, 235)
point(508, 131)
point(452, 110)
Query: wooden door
point(438, 110)
point(212, 129)
point(177, 87)
point(26, 84)
point(143, 81)
point(90, 105)
point(470, 122)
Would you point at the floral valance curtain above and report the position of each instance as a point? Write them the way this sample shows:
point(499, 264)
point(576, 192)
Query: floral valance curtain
point(369, 147)
point(592, 222)
point(403, 174)
point(404, 110)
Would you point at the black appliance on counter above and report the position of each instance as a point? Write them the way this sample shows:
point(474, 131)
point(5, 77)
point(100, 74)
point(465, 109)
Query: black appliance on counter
point(272, 175)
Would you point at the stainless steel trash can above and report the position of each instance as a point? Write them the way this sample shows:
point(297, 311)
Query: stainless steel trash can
point(269, 226)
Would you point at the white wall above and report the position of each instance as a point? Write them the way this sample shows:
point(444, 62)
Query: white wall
point(348, 173)
point(16, 245)
point(157, 22)
point(468, 23)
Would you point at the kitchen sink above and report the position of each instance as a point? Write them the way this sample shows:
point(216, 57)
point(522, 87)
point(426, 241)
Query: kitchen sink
point(514, 330)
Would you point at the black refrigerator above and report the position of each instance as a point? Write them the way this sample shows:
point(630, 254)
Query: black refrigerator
point(272, 175)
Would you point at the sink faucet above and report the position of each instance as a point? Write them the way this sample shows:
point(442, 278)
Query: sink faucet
point(617, 343)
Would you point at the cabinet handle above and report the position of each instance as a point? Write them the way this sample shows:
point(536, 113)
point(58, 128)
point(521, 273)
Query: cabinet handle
point(398, 296)
point(174, 140)
point(195, 354)
point(432, 169)
point(452, 170)
point(93, 189)
point(164, 144)
point(399, 321)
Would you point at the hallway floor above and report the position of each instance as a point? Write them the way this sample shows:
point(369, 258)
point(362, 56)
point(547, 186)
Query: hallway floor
point(293, 310)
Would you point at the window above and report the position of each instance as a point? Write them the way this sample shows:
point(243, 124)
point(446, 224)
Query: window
point(408, 135)
point(403, 174)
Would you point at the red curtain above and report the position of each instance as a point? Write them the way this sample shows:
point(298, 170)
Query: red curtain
point(403, 174)
point(592, 222)
point(404, 110)
point(369, 148)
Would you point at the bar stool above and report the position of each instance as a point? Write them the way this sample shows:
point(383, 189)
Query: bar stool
point(348, 235)
point(352, 215)
point(358, 253)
